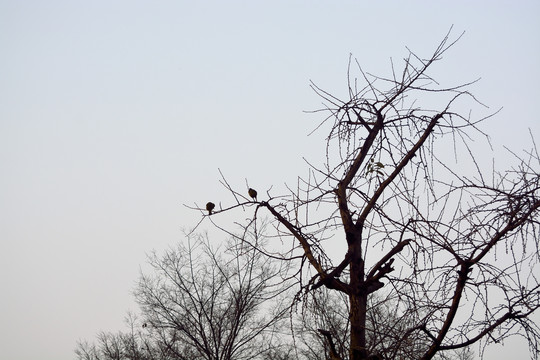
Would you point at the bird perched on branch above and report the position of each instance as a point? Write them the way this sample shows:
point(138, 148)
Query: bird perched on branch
point(252, 193)
point(210, 206)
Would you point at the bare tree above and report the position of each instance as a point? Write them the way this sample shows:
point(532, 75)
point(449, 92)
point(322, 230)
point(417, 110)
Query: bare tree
point(133, 344)
point(201, 302)
point(451, 242)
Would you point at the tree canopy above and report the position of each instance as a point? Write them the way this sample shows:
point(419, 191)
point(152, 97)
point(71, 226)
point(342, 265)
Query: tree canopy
point(449, 240)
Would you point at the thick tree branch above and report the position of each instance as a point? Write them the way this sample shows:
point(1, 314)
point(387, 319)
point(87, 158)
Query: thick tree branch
point(330, 282)
point(395, 250)
point(397, 170)
point(463, 272)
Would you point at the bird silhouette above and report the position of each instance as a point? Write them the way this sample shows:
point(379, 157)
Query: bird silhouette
point(252, 193)
point(210, 206)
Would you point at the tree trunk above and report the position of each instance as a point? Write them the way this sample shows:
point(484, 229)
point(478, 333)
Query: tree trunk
point(358, 305)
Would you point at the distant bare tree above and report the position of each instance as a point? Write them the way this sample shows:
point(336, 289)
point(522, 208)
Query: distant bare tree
point(453, 243)
point(133, 344)
point(200, 302)
point(223, 303)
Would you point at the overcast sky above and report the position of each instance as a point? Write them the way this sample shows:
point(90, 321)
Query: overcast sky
point(115, 113)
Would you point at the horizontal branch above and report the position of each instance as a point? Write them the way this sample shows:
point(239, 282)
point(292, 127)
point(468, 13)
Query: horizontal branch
point(509, 315)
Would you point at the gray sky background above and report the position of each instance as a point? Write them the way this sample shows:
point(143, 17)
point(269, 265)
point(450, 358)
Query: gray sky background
point(115, 113)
